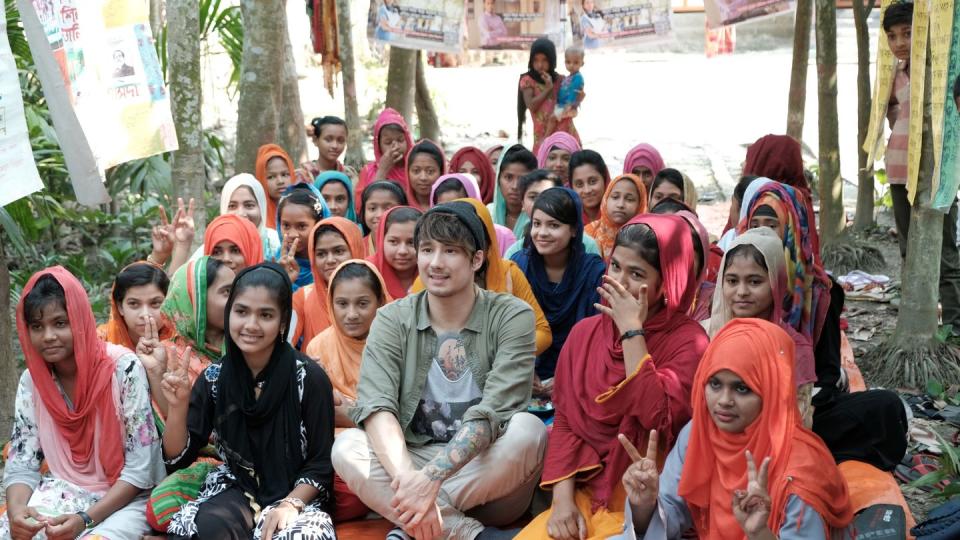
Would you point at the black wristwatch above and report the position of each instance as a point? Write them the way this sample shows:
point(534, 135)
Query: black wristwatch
point(632, 334)
point(87, 520)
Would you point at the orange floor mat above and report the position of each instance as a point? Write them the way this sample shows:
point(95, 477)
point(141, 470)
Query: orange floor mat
point(849, 363)
point(364, 529)
point(869, 485)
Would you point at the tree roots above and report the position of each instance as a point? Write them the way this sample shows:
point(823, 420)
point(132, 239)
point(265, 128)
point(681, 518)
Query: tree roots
point(848, 254)
point(895, 364)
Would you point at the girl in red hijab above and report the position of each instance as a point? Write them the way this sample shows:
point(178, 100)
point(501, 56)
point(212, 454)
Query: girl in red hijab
point(233, 240)
point(626, 371)
point(84, 406)
point(391, 141)
point(472, 160)
point(274, 169)
point(744, 467)
point(396, 258)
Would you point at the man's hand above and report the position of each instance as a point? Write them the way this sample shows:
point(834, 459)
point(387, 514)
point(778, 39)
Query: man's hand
point(415, 502)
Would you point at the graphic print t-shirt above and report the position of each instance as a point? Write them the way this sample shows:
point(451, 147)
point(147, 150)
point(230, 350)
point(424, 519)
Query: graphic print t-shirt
point(449, 391)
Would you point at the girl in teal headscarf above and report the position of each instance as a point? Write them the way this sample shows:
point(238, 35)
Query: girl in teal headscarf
point(336, 190)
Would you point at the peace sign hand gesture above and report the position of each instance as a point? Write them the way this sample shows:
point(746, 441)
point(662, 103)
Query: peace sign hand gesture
point(642, 480)
point(752, 507)
point(176, 381)
point(289, 260)
point(162, 237)
point(184, 227)
point(627, 311)
point(153, 355)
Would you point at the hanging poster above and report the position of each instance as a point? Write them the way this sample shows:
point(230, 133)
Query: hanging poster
point(18, 172)
point(433, 25)
point(512, 24)
point(107, 58)
point(616, 23)
point(726, 12)
point(945, 48)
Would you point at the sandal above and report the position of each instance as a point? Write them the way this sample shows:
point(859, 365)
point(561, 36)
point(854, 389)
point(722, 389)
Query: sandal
point(915, 466)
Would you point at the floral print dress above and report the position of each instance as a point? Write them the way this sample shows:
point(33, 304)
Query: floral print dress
point(542, 114)
point(143, 462)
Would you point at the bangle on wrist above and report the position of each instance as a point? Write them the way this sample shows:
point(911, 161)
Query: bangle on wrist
point(295, 502)
point(87, 520)
point(629, 334)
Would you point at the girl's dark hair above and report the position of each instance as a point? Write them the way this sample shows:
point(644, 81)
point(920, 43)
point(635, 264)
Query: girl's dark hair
point(640, 238)
point(271, 277)
point(394, 127)
point(300, 194)
point(698, 246)
point(46, 291)
point(742, 185)
point(383, 185)
point(355, 270)
point(668, 206)
point(447, 186)
point(558, 204)
point(897, 13)
point(318, 123)
point(545, 47)
point(402, 215)
point(538, 175)
point(213, 268)
point(588, 157)
point(326, 229)
point(426, 147)
point(746, 251)
point(518, 154)
point(138, 275)
point(672, 176)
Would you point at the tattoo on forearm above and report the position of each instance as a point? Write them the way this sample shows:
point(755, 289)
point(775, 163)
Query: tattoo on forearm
point(474, 437)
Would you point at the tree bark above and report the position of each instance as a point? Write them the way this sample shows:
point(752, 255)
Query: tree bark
point(183, 53)
point(9, 370)
point(351, 112)
point(798, 73)
point(260, 79)
point(865, 192)
point(917, 319)
point(400, 81)
point(292, 130)
point(832, 219)
point(426, 112)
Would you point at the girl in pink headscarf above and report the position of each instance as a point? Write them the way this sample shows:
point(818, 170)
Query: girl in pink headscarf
point(554, 154)
point(644, 161)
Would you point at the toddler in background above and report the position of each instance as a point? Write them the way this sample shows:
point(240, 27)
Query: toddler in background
point(568, 96)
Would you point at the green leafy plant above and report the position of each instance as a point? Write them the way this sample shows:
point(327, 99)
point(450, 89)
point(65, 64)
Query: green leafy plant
point(946, 394)
point(949, 467)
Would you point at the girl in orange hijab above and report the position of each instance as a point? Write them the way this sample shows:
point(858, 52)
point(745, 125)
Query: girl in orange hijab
point(624, 198)
point(331, 242)
point(137, 294)
point(233, 240)
point(274, 169)
point(744, 467)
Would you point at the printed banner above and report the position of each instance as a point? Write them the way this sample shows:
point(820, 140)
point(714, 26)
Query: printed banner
point(503, 24)
point(945, 41)
point(18, 172)
point(726, 12)
point(433, 25)
point(875, 143)
point(617, 23)
point(106, 55)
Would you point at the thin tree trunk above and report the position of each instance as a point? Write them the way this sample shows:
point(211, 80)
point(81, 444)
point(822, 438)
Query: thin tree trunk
point(832, 218)
point(400, 81)
point(292, 130)
point(156, 17)
point(9, 370)
point(183, 53)
point(865, 191)
point(798, 72)
point(260, 79)
point(917, 319)
point(426, 112)
point(351, 112)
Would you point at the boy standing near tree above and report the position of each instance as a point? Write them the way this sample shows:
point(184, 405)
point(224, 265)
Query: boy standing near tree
point(897, 25)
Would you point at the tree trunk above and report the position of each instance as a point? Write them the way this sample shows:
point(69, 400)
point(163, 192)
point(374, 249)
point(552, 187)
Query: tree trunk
point(183, 53)
point(865, 192)
point(9, 370)
point(156, 17)
point(260, 79)
point(798, 73)
point(832, 219)
point(351, 112)
point(917, 319)
point(400, 81)
point(292, 130)
point(426, 112)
